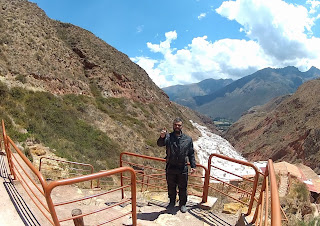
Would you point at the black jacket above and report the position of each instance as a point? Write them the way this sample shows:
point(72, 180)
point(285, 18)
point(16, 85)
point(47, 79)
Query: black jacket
point(178, 149)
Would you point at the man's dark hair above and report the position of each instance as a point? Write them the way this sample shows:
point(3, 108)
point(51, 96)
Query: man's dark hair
point(177, 120)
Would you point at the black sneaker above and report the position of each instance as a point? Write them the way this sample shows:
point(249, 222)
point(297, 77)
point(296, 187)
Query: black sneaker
point(183, 208)
point(170, 206)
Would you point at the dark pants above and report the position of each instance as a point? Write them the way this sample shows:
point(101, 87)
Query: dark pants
point(180, 180)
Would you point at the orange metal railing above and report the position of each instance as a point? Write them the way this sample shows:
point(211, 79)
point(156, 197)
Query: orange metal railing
point(249, 192)
point(154, 176)
point(40, 191)
point(30, 178)
point(261, 215)
point(0, 144)
point(94, 176)
point(91, 169)
point(263, 202)
point(6, 145)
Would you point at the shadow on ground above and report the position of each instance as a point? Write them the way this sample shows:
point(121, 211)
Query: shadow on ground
point(150, 216)
point(193, 209)
point(208, 217)
point(19, 204)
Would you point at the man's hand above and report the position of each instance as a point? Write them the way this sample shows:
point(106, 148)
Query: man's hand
point(163, 133)
point(193, 170)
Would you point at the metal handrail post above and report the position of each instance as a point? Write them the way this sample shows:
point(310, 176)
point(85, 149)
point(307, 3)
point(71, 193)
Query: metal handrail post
point(275, 202)
point(255, 182)
point(121, 177)
point(134, 196)
point(263, 187)
point(7, 150)
point(206, 182)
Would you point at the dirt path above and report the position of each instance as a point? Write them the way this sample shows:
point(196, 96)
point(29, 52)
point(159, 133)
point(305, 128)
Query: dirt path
point(283, 186)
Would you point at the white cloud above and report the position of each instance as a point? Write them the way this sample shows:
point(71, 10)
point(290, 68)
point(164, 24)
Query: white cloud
point(314, 6)
point(202, 15)
point(140, 28)
point(163, 47)
point(202, 59)
point(279, 34)
point(278, 27)
point(149, 66)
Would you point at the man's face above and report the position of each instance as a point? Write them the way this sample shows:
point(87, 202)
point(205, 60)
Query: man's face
point(177, 127)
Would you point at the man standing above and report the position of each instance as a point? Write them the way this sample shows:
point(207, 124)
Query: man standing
point(179, 147)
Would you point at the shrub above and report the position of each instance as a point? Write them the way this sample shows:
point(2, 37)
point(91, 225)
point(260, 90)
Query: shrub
point(21, 78)
point(27, 153)
point(56, 122)
point(3, 91)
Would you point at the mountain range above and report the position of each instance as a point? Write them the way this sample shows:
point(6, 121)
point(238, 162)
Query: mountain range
point(286, 128)
point(184, 94)
point(233, 98)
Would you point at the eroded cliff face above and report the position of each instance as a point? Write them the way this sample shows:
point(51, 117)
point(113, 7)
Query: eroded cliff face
point(102, 86)
point(287, 128)
point(62, 58)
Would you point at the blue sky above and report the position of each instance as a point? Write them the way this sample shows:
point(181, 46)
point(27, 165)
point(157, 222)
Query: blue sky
point(186, 41)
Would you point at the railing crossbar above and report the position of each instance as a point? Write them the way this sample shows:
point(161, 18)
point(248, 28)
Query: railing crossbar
point(235, 187)
point(142, 166)
point(139, 182)
point(39, 207)
point(229, 196)
point(25, 172)
point(34, 194)
point(115, 218)
point(90, 197)
point(96, 211)
point(70, 162)
point(244, 178)
point(231, 185)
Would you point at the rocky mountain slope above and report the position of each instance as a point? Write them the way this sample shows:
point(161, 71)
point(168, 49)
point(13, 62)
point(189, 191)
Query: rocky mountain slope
point(183, 94)
point(232, 100)
point(286, 128)
point(64, 87)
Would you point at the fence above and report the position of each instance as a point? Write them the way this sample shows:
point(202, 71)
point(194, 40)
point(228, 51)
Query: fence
point(247, 187)
point(245, 191)
point(264, 207)
point(40, 191)
point(151, 174)
point(71, 168)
